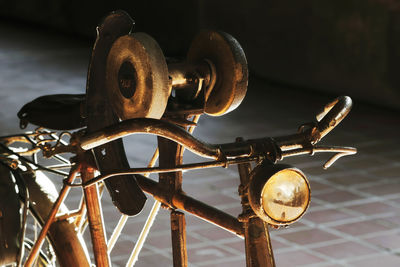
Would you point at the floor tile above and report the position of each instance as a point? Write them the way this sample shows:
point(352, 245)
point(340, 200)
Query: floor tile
point(296, 258)
point(232, 262)
point(208, 253)
point(277, 244)
point(384, 189)
point(349, 180)
point(386, 241)
point(153, 260)
point(338, 196)
point(364, 227)
point(373, 208)
point(238, 245)
point(388, 172)
point(309, 236)
point(215, 233)
point(345, 250)
point(317, 186)
point(327, 216)
point(379, 260)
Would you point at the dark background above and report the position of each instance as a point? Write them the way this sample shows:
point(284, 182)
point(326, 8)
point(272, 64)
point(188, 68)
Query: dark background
point(335, 46)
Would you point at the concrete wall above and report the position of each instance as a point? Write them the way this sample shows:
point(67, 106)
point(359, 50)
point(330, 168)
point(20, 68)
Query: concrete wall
point(342, 46)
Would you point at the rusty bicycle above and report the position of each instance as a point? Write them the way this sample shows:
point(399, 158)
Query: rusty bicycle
point(132, 88)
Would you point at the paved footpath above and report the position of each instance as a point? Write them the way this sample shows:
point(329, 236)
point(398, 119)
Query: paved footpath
point(354, 218)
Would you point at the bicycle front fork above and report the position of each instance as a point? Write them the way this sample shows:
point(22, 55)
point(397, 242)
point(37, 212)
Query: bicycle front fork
point(257, 241)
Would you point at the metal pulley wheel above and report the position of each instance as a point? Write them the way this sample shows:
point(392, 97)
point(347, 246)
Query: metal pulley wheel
point(137, 77)
point(224, 51)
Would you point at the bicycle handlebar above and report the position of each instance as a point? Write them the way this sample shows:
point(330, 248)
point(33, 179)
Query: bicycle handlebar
point(150, 126)
point(332, 114)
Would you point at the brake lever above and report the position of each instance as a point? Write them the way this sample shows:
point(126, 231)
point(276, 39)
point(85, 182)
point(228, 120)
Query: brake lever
point(346, 151)
point(340, 152)
point(309, 134)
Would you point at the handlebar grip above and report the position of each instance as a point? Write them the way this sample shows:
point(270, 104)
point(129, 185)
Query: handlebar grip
point(332, 114)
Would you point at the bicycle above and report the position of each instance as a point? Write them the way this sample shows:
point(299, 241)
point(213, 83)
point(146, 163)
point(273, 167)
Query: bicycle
point(130, 68)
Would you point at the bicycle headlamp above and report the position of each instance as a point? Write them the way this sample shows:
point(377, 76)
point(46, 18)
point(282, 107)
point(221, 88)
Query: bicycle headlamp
point(278, 194)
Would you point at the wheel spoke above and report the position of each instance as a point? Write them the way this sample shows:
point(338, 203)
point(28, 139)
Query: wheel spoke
point(143, 235)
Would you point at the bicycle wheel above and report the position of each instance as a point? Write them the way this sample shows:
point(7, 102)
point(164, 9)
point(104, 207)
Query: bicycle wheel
point(68, 246)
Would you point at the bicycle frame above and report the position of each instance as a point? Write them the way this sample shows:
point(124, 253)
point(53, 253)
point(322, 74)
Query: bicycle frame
point(172, 141)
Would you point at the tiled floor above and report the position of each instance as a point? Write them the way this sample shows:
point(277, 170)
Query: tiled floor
point(354, 218)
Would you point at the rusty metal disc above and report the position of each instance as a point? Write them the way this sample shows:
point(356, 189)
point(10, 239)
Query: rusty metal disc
point(224, 51)
point(137, 77)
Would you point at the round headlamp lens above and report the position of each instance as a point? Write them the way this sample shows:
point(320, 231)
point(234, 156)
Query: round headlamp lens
point(285, 196)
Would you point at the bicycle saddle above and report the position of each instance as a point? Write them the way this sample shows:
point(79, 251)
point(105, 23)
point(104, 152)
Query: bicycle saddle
point(58, 112)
